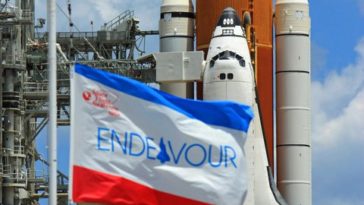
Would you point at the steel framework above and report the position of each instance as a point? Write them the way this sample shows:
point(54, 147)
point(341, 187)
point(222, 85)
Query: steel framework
point(24, 89)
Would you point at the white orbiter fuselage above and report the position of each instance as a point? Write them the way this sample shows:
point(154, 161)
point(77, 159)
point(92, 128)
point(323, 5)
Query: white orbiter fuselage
point(229, 75)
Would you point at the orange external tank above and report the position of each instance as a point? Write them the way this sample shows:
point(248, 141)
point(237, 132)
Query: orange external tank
point(261, 39)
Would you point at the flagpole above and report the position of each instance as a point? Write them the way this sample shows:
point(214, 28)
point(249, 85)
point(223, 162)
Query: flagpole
point(52, 106)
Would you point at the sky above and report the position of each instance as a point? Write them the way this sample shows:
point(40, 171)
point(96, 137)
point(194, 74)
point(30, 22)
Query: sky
point(337, 50)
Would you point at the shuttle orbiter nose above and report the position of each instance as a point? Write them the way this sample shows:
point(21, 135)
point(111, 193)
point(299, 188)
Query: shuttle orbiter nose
point(228, 74)
point(228, 18)
point(229, 24)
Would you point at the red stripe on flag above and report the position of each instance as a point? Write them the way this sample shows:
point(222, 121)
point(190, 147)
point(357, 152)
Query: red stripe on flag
point(97, 187)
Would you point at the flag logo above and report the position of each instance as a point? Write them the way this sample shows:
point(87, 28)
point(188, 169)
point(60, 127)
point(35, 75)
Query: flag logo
point(101, 99)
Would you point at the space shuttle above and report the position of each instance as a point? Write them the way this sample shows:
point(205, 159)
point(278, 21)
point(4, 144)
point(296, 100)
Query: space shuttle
point(229, 75)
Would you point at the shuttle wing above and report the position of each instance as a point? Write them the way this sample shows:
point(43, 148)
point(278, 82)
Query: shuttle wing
point(262, 190)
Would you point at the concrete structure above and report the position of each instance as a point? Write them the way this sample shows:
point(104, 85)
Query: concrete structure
point(293, 101)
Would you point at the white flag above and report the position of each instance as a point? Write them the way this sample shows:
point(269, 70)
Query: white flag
point(132, 144)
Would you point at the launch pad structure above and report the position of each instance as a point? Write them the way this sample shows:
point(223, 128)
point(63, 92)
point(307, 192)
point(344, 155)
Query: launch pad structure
point(24, 87)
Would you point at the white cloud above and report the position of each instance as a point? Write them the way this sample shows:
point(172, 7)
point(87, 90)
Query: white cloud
point(100, 12)
point(337, 103)
point(107, 9)
point(318, 60)
point(319, 56)
point(338, 135)
point(348, 125)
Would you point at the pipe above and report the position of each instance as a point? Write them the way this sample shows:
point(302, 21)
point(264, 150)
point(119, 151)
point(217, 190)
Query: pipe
point(247, 23)
point(52, 88)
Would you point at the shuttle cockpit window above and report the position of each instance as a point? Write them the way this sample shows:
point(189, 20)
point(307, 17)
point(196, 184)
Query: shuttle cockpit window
point(241, 60)
point(226, 55)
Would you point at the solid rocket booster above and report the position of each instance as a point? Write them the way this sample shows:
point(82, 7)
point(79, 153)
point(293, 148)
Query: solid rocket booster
point(293, 101)
point(176, 28)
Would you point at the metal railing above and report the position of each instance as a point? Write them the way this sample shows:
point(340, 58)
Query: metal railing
point(35, 87)
point(15, 12)
point(126, 15)
point(14, 175)
point(38, 174)
point(18, 150)
point(16, 59)
point(26, 14)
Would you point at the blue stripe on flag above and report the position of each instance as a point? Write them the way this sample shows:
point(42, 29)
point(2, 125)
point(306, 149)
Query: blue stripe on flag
point(220, 113)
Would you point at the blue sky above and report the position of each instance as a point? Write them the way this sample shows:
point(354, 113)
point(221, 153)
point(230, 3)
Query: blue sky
point(338, 101)
point(337, 88)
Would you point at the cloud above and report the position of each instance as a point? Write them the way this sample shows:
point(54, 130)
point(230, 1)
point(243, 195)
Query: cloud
point(107, 9)
point(361, 6)
point(338, 134)
point(101, 12)
point(318, 59)
point(336, 102)
point(348, 125)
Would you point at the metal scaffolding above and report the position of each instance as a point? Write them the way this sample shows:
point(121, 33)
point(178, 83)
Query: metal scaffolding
point(24, 89)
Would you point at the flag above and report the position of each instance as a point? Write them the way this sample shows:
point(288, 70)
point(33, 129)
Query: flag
point(133, 144)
